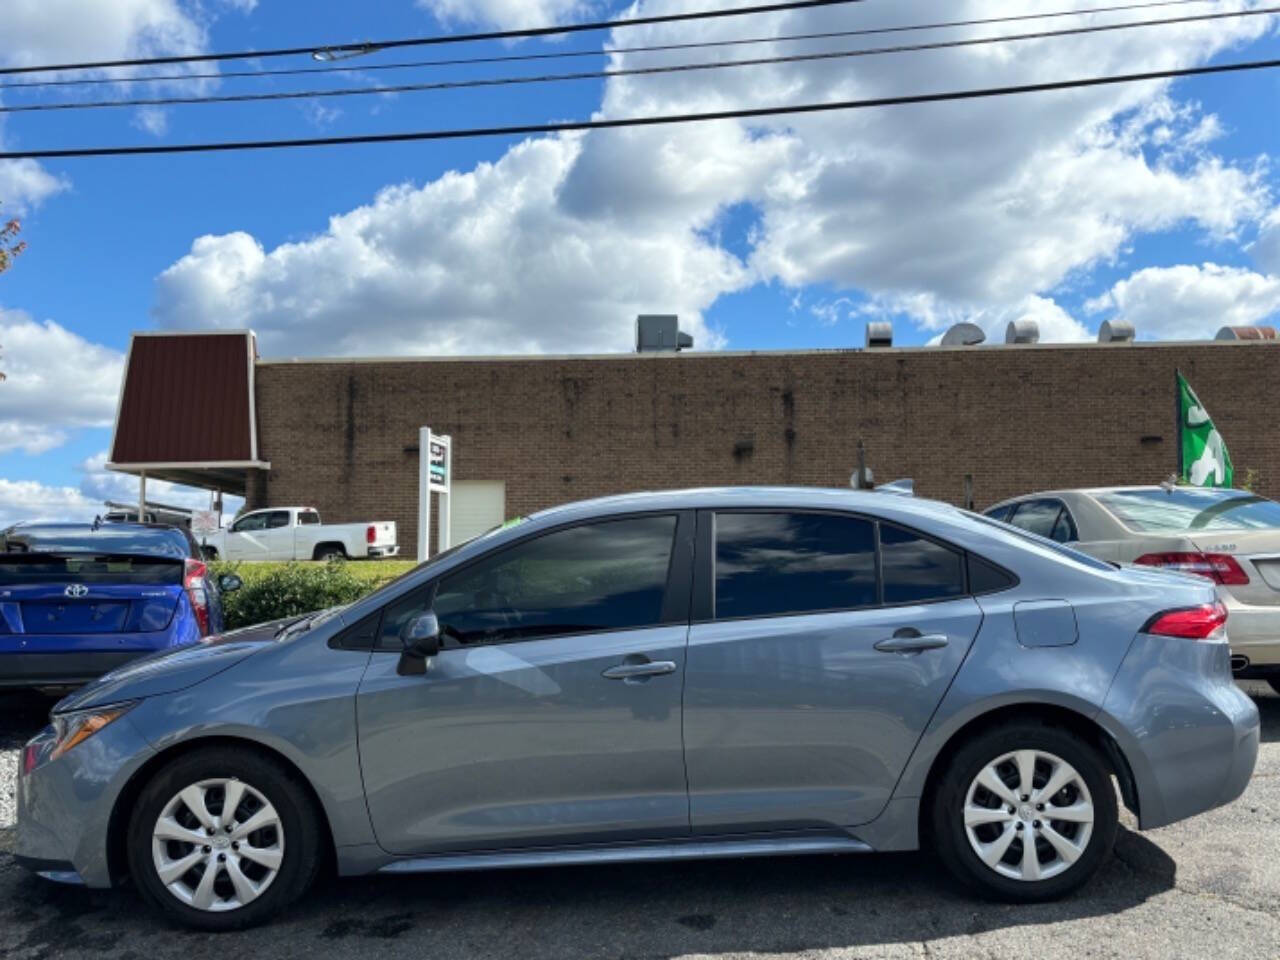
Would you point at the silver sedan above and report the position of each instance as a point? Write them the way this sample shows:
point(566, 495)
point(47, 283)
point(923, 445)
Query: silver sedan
point(710, 673)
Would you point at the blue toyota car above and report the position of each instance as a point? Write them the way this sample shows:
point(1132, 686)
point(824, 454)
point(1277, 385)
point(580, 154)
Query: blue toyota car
point(77, 600)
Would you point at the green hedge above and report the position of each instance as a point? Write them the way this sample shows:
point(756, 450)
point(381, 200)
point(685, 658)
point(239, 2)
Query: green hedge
point(275, 590)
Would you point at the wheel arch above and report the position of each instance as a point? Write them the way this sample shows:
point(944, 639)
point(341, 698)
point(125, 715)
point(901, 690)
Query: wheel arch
point(327, 545)
point(1050, 714)
point(118, 823)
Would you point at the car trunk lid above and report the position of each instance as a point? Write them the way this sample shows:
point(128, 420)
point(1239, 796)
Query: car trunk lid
point(59, 595)
point(1258, 554)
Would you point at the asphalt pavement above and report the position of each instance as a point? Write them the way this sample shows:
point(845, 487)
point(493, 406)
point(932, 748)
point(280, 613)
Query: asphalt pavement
point(1205, 888)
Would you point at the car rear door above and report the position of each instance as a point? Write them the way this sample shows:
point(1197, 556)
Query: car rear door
point(821, 645)
point(552, 715)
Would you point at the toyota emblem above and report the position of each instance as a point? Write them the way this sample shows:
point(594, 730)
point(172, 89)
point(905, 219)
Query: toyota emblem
point(76, 590)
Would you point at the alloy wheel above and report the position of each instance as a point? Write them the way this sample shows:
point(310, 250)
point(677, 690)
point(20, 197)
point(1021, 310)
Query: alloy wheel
point(1028, 815)
point(218, 845)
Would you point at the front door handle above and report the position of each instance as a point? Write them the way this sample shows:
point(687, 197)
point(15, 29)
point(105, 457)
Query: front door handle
point(639, 669)
point(909, 640)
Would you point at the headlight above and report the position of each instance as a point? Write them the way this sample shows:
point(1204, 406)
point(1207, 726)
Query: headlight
point(73, 728)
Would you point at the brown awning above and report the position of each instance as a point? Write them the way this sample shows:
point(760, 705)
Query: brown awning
point(187, 410)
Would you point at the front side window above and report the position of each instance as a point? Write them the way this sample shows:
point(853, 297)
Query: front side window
point(770, 564)
point(600, 576)
point(254, 521)
point(916, 570)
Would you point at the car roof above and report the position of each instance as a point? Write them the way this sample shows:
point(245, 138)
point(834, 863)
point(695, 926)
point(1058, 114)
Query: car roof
point(1134, 488)
point(36, 526)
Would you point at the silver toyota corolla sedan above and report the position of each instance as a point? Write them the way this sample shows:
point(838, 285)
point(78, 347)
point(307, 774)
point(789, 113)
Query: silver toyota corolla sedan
point(712, 673)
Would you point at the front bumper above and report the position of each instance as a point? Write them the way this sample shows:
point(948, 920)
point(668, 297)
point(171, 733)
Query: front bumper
point(74, 669)
point(1189, 734)
point(65, 805)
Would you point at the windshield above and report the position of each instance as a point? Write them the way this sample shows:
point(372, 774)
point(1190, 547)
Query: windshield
point(1184, 509)
point(106, 540)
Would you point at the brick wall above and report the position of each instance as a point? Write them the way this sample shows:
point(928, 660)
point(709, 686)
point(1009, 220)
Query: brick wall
point(562, 429)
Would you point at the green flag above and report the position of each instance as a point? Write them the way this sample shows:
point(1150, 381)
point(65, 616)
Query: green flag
point(1203, 459)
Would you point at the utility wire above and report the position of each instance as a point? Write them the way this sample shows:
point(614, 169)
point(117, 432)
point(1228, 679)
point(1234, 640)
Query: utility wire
point(629, 71)
point(337, 49)
point(568, 54)
point(580, 125)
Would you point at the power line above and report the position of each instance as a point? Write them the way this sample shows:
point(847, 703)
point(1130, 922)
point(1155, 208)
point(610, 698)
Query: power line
point(335, 49)
point(629, 71)
point(569, 54)
point(581, 125)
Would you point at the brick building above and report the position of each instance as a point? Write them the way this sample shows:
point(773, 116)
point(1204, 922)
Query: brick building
point(531, 432)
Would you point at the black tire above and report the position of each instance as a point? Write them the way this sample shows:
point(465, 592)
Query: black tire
point(299, 818)
point(951, 838)
point(325, 554)
point(210, 553)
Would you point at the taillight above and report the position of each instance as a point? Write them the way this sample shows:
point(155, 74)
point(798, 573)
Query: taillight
point(370, 534)
point(1218, 567)
point(1191, 623)
point(193, 581)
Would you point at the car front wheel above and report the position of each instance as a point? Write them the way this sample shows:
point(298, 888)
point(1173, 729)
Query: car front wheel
point(223, 838)
point(1025, 812)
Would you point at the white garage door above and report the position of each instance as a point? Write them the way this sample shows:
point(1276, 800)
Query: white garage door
point(476, 506)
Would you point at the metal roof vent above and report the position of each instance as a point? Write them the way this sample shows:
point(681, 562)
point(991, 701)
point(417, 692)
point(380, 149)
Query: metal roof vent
point(879, 334)
point(1022, 331)
point(1116, 331)
point(963, 335)
point(655, 334)
point(1246, 333)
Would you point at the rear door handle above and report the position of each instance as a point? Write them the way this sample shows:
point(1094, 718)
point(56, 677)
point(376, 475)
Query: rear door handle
point(639, 669)
point(912, 641)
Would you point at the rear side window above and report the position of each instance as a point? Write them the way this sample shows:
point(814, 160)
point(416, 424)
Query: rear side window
point(917, 570)
point(768, 564)
point(986, 577)
point(1000, 513)
point(308, 518)
point(1045, 518)
point(585, 579)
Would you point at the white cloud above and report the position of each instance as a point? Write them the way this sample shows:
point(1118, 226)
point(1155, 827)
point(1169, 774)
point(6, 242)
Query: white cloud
point(25, 184)
point(152, 120)
point(1191, 302)
point(1266, 249)
point(534, 253)
point(513, 14)
point(99, 484)
point(56, 382)
point(29, 500)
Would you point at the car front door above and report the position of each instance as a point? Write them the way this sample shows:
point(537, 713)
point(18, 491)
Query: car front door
point(246, 540)
point(821, 645)
point(278, 535)
point(552, 714)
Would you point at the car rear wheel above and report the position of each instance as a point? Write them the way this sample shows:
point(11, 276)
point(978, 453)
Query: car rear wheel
point(1025, 812)
point(326, 554)
point(223, 838)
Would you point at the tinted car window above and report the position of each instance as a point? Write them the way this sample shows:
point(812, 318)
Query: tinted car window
point(769, 564)
point(986, 577)
point(308, 518)
point(107, 538)
point(1000, 513)
point(1189, 508)
point(916, 570)
point(277, 518)
point(595, 577)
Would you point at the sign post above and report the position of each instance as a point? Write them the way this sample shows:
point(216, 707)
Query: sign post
point(435, 475)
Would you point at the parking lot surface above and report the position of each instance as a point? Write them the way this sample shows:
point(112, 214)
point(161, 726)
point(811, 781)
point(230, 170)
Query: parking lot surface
point(1208, 887)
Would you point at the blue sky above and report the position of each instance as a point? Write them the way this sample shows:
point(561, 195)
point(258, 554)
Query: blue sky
point(1066, 209)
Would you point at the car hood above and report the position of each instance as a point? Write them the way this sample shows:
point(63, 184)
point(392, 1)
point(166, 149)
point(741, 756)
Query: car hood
point(172, 670)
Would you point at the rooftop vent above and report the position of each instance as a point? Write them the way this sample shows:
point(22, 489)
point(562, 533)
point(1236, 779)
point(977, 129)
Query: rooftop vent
point(655, 334)
point(963, 335)
point(1116, 331)
point(1246, 333)
point(879, 334)
point(1022, 331)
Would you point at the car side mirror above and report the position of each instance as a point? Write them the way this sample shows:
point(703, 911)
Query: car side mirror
point(421, 639)
point(229, 583)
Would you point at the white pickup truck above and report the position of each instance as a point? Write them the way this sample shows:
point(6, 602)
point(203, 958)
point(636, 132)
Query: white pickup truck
point(296, 533)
